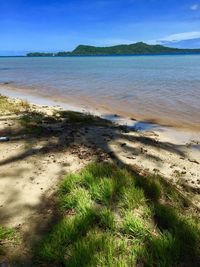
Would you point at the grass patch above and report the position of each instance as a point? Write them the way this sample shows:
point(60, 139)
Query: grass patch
point(79, 200)
point(132, 198)
point(151, 186)
point(162, 251)
point(69, 183)
point(106, 219)
point(76, 117)
point(135, 227)
point(73, 117)
point(6, 235)
point(35, 123)
point(118, 220)
point(99, 248)
point(184, 229)
point(53, 247)
point(8, 106)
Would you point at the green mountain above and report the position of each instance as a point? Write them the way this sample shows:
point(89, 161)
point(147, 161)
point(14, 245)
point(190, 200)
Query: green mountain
point(137, 48)
point(132, 49)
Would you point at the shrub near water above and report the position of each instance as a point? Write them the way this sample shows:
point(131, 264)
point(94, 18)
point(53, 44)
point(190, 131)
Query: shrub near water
point(110, 218)
point(7, 106)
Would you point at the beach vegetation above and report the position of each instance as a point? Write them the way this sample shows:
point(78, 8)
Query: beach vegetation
point(8, 106)
point(110, 218)
point(6, 235)
point(79, 119)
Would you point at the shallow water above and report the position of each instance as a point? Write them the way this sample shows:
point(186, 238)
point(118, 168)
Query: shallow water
point(160, 88)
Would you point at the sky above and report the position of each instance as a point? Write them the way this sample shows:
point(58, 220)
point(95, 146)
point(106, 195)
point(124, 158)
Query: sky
point(61, 25)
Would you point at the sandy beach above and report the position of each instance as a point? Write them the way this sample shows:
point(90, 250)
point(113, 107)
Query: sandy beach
point(31, 166)
point(99, 133)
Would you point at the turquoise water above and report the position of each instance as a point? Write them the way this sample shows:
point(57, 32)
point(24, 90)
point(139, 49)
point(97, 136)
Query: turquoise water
point(161, 87)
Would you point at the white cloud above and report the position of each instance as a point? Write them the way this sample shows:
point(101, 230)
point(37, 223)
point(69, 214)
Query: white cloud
point(177, 37)
point(194, 7)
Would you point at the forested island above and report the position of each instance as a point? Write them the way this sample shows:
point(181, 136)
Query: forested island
point(132, 49)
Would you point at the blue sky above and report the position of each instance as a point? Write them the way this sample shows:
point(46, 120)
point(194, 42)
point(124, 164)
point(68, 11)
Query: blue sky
point(52, 25)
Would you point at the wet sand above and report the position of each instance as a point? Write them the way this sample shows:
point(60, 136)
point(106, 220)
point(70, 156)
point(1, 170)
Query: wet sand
point(108, 108)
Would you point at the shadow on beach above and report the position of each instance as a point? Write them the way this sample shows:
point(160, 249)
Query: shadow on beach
point(86, 136)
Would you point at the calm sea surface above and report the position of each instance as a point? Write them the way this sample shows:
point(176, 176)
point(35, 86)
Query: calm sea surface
point(151, 87)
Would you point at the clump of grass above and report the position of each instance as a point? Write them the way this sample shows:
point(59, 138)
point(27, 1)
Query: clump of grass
point(162, 251)
point(35, 123)
point(106, 219)
point(24, 105)
point(79, 199)
point(118, 220)
point(165, 216)
point(134, 226)
point(53, 247)
point(8, 106)
point(174, 196)
point(100, 170)
point(185, 230)
point(106, 182)
point(132, 198)
point(76, 117)
point(103, 190)
point(151, 186)
point(100, 249)
point(71, 181)
point(6, 234)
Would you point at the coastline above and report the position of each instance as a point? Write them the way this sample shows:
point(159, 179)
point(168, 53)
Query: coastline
point(177, 133)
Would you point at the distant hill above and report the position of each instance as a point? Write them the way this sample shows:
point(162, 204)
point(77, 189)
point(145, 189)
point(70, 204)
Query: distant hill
point(132, 49)
point(39, 54)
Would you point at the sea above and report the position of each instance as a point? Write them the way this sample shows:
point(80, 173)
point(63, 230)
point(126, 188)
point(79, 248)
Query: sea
point(157, 88)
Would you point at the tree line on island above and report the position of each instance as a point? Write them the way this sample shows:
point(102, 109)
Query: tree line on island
point(131, 49)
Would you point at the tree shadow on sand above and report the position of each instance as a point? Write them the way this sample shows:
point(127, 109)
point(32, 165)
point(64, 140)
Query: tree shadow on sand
point(73, 128)
point(86, 136)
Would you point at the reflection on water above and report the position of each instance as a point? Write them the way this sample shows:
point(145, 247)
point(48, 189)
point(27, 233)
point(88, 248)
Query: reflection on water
point(166, 87)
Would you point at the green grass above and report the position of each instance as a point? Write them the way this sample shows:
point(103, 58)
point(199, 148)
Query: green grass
point(6, 234)
point(151, 186)
point(100, 248)
point(79, 199)
point(162, 251)
point(184, 229)
point(119, 219)
point(131, 198)
point(135, 227)
point(106, 219)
